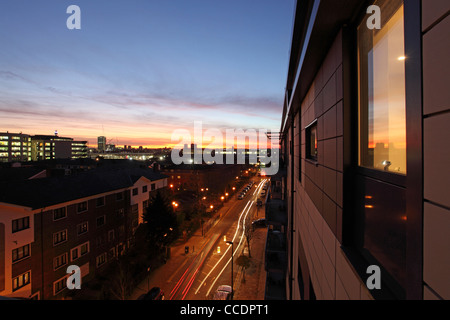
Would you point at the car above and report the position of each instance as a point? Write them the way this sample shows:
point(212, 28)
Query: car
point(263, 193)
point(223, 292)
point(241, 196)
point(259, 223)
point(259, 202)
point(154, 293)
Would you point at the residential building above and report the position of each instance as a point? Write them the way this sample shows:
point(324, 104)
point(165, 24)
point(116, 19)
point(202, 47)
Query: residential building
point(85, 219)
point(365, 142)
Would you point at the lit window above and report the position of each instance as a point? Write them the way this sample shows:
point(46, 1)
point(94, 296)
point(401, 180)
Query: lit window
point(59, 237)
point(21, 253)
point(21, 281)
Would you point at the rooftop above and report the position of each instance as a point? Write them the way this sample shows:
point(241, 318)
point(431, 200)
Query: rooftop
point(41, 193)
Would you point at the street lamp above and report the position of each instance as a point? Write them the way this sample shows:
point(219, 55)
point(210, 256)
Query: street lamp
point(232, 254)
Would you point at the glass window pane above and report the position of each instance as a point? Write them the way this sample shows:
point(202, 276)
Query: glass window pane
point(382, 120)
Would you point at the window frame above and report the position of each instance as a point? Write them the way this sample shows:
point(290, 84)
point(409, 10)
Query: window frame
point(62, 217)
point(414, 158)
point(24, 283)
point(362, 117)
point(102, 202)
point(81, 203)
point(81, 224)
point(62, 241)
point(312, 126)
point(15, 227)
point(58, 266)
point(23, 257)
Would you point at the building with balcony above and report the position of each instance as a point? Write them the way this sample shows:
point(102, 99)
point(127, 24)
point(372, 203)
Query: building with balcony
point(85, 219)
point(365, 142)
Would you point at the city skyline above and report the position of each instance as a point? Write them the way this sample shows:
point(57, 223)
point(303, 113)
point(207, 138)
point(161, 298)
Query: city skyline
point(136, 72)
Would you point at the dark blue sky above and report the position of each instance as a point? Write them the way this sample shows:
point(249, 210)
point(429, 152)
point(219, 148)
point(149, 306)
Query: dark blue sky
point(137, 70)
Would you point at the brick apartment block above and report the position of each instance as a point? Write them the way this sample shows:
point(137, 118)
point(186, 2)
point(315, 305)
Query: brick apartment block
point(84, 219)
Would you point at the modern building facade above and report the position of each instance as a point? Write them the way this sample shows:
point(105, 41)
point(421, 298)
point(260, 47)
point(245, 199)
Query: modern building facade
point(48, 147)
point(15, 147)
point(85, 219)
point(101, 144)
point(365, 143)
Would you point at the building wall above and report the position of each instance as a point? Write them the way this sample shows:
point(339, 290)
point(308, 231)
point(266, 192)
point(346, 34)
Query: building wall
point(11, 241)
point(97, 236)
point(318, 199)
point(436, 110)
point(15, 147)
point(2, 256)
point(142, 195)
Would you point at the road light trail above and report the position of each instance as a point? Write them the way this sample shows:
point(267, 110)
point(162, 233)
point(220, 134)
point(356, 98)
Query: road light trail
point(237, 248)
point(260, 185)
point(183, 277)
point(246, 208)
point(258, 189)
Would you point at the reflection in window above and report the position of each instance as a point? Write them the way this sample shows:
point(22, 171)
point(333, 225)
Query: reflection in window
point(381, 64)
point(311, 141)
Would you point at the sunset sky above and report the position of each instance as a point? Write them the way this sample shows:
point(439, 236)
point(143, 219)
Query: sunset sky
point(140, 69)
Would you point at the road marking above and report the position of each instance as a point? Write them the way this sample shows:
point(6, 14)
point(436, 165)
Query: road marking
point(229, 260)
point(246, 208)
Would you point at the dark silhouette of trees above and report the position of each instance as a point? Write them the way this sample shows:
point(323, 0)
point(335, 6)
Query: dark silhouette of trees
point(160, 222)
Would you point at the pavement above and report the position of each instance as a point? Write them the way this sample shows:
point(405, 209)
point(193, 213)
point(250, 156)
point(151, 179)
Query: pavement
point(248, 286)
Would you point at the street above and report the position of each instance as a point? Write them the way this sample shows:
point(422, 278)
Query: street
point(197, 274)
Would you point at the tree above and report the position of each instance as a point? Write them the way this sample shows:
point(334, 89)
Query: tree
point(244, 262)
point(248, 233)
point(121, 278)
point(160, 222)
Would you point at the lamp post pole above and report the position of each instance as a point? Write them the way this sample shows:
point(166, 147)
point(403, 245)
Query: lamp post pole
point(232, 254)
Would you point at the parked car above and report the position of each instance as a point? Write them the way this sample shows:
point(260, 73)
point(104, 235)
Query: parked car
point(241, 196)
point(259, 202)
point(155, 293)
point(259, 223)
point(223, 292)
